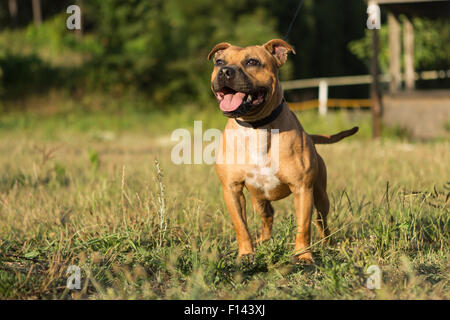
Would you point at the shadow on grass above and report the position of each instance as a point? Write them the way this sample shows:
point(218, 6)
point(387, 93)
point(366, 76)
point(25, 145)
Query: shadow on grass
point(28, 75)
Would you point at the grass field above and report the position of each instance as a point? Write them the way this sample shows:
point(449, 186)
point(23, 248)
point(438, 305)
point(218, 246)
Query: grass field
point(85, 190)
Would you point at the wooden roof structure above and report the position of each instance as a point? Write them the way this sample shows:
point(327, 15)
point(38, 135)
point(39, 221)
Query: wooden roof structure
point(423, 8)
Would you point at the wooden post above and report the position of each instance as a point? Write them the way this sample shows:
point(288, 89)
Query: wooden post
point(394, 53)
point(323, 97)
point(375, 95)
point(408, 46)
point(37, 14)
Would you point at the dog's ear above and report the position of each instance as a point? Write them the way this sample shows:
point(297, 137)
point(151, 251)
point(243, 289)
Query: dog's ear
point(279, 49)
point(218, 47)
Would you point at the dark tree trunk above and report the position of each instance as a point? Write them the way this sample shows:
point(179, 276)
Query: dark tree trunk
point(12, 6)
point(37, 13)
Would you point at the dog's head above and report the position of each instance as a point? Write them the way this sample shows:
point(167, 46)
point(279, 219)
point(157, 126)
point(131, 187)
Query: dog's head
point(245, 80)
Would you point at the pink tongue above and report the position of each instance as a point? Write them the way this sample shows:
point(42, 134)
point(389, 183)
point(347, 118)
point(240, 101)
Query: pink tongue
point(231, 102)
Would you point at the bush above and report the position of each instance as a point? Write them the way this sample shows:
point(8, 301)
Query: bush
point(161, 46)
point(431, 45)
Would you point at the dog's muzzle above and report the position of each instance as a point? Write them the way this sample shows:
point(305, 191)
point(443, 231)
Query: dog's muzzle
point(235, 93)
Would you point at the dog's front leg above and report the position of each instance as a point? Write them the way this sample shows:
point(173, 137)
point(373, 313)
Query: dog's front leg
point(303, 203)
point(235, 202)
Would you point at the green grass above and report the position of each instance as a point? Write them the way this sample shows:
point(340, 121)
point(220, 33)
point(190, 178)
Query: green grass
point(84, 190)
point(50, 117)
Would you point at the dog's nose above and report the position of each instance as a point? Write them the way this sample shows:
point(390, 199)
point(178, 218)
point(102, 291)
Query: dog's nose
point(226, 73)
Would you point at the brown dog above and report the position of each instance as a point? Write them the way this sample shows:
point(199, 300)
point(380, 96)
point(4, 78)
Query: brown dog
point(245, 82)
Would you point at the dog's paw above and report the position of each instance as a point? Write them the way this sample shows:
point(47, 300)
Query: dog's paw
point(261, 239)
point(245, 259)
point(304, 258)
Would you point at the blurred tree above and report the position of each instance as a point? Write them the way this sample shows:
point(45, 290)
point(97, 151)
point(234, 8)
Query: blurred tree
point(159, 47)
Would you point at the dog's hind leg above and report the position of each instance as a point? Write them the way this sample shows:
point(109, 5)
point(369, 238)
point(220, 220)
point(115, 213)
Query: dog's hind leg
point(321, 201)
point(265, 210)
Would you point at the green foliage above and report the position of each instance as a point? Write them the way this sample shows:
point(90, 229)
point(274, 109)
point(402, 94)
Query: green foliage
point(362, 48)
point(51, 41)
point(161, 46)
point(431, 45)
point(35, 59)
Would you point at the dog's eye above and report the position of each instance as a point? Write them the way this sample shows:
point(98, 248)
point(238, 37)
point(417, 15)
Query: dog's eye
point(220, 62)
point(252, 62)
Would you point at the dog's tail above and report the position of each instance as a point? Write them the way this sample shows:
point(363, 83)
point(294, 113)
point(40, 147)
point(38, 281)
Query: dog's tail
point(323, 139)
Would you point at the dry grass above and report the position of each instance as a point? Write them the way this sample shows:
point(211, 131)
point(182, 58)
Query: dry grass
point(143, 231)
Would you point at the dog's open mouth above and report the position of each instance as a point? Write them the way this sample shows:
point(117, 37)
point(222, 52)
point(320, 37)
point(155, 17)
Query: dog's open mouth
point(231, 100)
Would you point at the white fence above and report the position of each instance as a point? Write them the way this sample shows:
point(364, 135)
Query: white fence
point(324, 83)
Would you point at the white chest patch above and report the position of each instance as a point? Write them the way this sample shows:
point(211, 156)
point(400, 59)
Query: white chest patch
point(263, 174)
point(258, 151)
point(263, 178)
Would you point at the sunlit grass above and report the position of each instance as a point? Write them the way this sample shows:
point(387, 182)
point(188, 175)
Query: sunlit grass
point(91, 195)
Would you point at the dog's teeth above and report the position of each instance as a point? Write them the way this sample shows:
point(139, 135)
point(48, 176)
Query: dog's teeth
point(249, 98)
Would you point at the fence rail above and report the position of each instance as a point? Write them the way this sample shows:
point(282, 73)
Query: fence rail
point(340, 103)
point(323, 83)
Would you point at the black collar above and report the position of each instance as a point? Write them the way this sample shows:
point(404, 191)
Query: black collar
point(262, 122)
